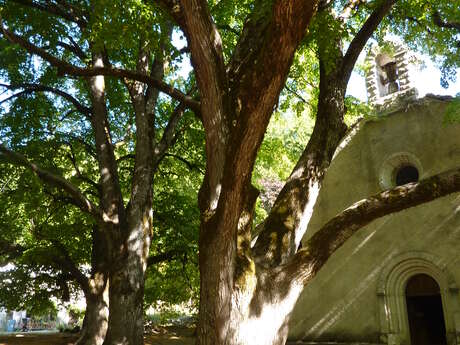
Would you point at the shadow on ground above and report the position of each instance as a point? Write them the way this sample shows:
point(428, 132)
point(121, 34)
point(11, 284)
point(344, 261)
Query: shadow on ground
point(159, 336)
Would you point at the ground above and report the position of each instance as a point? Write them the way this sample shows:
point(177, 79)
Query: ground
point(161, 336)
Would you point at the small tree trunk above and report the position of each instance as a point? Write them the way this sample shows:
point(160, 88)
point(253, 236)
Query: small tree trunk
point(96, 290)
point(96, 317)
point(215, 291)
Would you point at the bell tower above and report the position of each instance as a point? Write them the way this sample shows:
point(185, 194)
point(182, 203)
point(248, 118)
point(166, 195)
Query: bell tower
point(387, 75)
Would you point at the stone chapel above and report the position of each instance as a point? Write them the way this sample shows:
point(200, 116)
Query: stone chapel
point(396, 281)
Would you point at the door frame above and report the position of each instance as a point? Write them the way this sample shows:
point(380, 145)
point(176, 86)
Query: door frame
point(391, 293)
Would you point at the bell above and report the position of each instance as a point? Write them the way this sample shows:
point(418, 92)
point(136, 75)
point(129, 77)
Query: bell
point(392, 75)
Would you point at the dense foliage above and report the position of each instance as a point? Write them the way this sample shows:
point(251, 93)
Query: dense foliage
point(110, 124)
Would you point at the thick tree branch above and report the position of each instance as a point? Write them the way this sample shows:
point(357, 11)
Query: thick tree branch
point(209, 66)
point(29, 87)
point(111, 196)
point(361, 38)
point(258, 76)
point(65, 262)
point(65, 68)
point(52, 179)
point(334, 233)
point(140, 202)
point(72, 14)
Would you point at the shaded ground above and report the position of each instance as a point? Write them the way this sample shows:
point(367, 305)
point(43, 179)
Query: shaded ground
point(174, 335)
point(38, 339)
point(161, 336)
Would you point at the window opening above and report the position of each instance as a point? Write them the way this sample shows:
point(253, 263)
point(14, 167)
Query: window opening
point(387, 72)
point(406, 174)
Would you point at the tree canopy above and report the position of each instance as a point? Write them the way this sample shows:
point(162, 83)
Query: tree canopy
point(106, 140)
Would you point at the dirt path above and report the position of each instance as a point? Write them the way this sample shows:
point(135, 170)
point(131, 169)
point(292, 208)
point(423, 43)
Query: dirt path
point(163, 336)
point(38, 339)
point(171, 336)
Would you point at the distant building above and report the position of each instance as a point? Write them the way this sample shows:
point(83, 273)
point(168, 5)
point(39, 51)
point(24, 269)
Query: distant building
point(17, 316)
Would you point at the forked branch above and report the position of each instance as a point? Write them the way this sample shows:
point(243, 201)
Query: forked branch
point(55, 180)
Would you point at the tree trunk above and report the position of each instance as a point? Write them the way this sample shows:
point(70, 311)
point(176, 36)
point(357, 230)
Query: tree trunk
point(259, 315)
point(127, 274)
point(130, 251)
point(247, 294)
point(126, 319)
point(96, 317)
point(96, 291)
point(246, 297)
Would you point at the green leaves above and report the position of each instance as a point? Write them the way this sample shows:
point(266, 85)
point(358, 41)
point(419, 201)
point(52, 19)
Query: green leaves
point(452, 114)
point(420, 24)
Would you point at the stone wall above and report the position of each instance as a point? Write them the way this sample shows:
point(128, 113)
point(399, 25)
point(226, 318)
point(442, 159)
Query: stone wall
point(353, 298)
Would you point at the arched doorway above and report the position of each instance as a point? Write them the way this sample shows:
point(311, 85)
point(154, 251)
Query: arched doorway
point(424, 311)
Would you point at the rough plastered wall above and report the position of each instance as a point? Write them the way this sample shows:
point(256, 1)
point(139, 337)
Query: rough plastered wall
point(342, 303)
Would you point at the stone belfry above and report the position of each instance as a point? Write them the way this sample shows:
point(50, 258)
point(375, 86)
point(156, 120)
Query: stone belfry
point(387, 76)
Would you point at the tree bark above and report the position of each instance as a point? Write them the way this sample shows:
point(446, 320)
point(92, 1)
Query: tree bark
point(96, 317)
point(96, 290)
point(126, 319)
point(235, 121)
point(126, 269)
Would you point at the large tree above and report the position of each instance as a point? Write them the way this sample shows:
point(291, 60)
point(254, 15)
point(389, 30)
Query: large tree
point(74, 85)
point(247, 292)
point(240, 75)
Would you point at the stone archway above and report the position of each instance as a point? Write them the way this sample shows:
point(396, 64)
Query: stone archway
point(391, 291)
